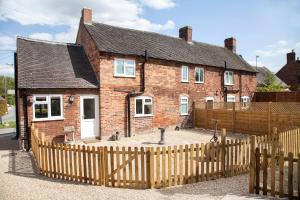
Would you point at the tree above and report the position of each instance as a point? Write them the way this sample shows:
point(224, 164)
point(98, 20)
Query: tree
point(270, 84)
point(3, 109)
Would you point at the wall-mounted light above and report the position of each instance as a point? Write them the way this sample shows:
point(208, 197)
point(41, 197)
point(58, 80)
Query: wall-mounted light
point(216, 94)
point(30, 100)
point(71, 99)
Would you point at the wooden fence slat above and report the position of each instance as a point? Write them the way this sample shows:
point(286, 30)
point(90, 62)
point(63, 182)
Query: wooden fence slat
point(70, 161)
point(227, 158)
point(164, 183)
point(169, 167)
point(202, 161)
point(158, 167)
point(290, 175)
point(181, 164)
point(79, 148)
point(94, 165)
point(58, 160)
point(265, 171)
point(212, 159)
point(273, 167)
point(281, 174)
point(143, 167)
point(175, 165)
point(298, 171)
point(151, 167)
point(75, 162)
point(130, 167)
point(252, 164)
point(53, 147)
point(89, 164)
point(136, 167)
point(257, 170)
point(207, 158)
point(186, 164)
point(124, 168)
point(197, 162)
point(118, 166)
point(99, 166)
point(223, 140)
point(236, 156)
point(231, 158)
point(48, 161)
point(191, 163)
point(218, 160)
point(62, 158)
point(106, 166)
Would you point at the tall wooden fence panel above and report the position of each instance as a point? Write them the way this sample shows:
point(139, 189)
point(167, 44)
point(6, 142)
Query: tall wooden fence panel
point(257, 118)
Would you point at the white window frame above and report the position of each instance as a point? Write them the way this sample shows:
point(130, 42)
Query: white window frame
point(231, 96)
point(243, 98)
point(124, 68)
point(187, 103)
point(143, 106)
point(184, 67)
point(226, 73)
point(48, 102)
point(200, 69)
point(209, 99)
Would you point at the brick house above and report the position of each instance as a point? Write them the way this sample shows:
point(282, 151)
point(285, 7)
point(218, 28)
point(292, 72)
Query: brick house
point(123, 80)
point(290, 72)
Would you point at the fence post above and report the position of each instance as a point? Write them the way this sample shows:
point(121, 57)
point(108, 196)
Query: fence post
point(269, 118)
point(252, 164)
point(257, 170)
point(223, 152)
point(233, 117)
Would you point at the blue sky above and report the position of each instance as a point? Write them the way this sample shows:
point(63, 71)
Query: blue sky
point(268, 28)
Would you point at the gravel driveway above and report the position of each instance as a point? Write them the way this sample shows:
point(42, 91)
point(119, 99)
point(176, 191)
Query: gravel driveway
point(19, 180)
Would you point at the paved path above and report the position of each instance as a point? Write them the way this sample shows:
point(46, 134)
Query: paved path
point(19, 180)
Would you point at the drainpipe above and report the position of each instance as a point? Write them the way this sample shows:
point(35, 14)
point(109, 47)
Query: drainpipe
point(223, 82)
point(16, 97)
point(26, 129)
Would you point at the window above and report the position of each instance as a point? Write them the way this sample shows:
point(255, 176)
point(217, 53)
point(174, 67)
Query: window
point(184, 105)
point(143, 106)
point(230, 98)
point(47, 107)
point(245, 101)
point(124, 68)
point(199, 75)
point(209, 102)
point(228, 78)
point(184, 74)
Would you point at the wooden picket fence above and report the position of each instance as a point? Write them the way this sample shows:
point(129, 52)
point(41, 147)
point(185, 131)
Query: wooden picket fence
point(142, 167)
point(275, 164)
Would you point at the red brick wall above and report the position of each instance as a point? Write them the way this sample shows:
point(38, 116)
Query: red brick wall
point(163, 84)
point(71, 113)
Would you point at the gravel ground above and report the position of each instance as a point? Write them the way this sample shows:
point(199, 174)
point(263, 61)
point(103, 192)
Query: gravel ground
point(20, 180)
point(181, 137)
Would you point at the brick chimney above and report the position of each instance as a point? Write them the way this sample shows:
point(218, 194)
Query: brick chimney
point(230, 43)
point(186, 33)
point(86, 15)
point(290, 57)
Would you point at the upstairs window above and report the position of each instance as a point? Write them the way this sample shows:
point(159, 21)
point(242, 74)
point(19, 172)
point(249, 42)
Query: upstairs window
point(143, 106)
point(124, 67)
point(228, 78)
point(185, 74)
point(47, 107)
point(199, 75)
point(184, 105)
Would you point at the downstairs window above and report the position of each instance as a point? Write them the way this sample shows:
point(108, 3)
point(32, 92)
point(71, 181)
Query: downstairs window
point(143, 106)
point(47, 107)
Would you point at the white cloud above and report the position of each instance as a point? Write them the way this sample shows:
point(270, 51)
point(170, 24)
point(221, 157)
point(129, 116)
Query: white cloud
point(6, 70)
point(7, 42)
point(158, 4)
point(117, 12)
point(42, 36)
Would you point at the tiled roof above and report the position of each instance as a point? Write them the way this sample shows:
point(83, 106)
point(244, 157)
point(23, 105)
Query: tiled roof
point(134, 42)
point(262, 75)
point(43, 64)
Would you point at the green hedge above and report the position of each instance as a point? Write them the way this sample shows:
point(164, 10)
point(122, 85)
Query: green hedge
point(3, 107)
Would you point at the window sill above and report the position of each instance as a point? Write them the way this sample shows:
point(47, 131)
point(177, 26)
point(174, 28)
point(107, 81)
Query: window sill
point(229, 84)
point(199, 82)
point(139, 116)
point(48, 119)
point(184, 82)
point(184, 114)
point(124, 76)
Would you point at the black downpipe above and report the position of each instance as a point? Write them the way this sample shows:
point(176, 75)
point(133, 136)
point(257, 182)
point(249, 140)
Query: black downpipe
point(223, 82)
point(16, 97)
point(132, 94)
point(26, 128)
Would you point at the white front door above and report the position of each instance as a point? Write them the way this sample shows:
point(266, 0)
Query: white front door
point(89, 115)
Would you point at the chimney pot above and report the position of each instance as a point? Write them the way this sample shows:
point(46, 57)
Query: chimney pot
point(86, 15)
point(291, 57)
point(230, 43)
point(186, 33)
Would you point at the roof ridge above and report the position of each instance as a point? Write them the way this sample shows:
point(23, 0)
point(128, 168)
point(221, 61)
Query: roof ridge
point(46, 41)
